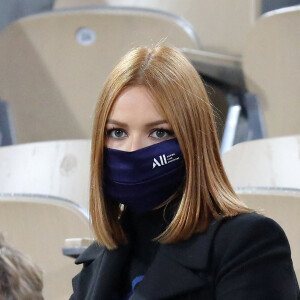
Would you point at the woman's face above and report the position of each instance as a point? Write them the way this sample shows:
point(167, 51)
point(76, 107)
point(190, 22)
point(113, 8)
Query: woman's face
point(134, 121)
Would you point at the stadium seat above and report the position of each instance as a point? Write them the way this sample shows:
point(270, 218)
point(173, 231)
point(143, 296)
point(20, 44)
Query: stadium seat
point(284, 207)
point(221, 26)
point(53, 65)
point(55, 168)
point(272, 162)
point(38, 226)
point(271, 64)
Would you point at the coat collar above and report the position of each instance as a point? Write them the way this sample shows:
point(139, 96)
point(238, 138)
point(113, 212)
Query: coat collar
point(90, 254)
point(176, 268)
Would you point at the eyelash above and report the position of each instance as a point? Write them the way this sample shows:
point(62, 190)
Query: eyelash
point(109, 131)
point(169, 132)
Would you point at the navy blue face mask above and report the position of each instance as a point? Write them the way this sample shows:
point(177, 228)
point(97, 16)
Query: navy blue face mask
point(145, 178)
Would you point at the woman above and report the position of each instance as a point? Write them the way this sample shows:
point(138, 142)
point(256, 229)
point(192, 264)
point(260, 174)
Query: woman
point(167, 221)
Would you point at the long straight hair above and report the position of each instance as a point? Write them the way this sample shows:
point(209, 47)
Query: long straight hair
point(181, 97)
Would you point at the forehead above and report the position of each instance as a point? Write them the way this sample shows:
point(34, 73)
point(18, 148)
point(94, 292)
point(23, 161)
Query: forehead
point(135, 102)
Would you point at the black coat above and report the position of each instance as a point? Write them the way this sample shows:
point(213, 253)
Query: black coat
point(241, 258)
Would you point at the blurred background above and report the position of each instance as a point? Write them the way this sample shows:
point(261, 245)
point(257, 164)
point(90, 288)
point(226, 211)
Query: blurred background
point(54, 58)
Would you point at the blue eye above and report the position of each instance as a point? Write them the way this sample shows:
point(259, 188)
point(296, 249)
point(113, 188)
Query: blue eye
point(161, 133)
point(116, 133)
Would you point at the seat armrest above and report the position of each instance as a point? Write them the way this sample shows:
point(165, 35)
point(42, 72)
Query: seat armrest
point(75, 246)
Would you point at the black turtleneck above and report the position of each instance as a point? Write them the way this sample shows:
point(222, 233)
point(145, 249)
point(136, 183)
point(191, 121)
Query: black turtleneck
point(141, 229)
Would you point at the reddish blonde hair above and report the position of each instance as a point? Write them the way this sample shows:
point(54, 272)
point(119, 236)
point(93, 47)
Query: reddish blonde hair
point(181, 96)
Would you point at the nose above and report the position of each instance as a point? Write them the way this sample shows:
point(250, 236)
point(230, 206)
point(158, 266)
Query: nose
point(135, 142)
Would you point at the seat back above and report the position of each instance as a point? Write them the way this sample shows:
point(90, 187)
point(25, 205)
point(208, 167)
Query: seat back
point(52, 81)
point(56, 168)
point(38, 227)
point(284, 207)
point(221, 25)
point(271, 64)
point(272, 162)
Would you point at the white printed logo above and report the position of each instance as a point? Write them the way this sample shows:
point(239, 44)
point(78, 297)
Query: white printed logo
point(164, 160)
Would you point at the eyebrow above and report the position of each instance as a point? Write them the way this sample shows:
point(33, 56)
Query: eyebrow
point(147, 125)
